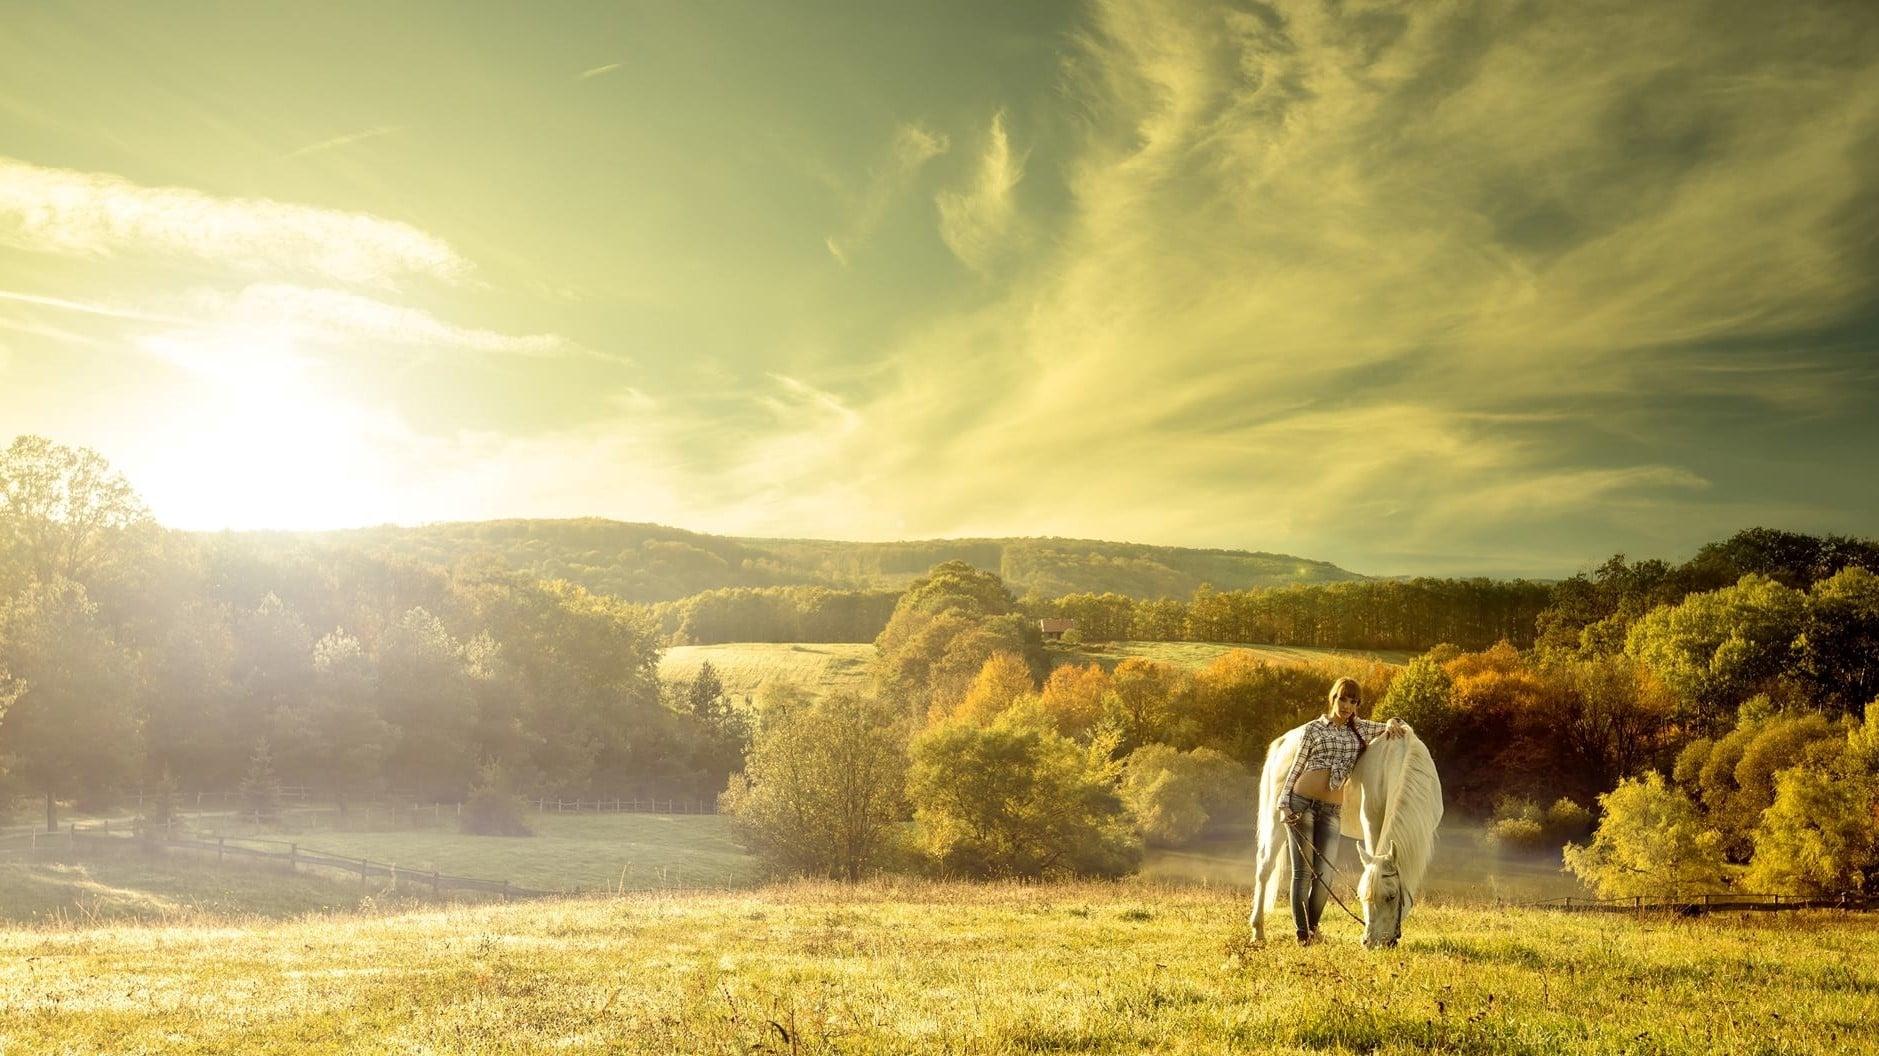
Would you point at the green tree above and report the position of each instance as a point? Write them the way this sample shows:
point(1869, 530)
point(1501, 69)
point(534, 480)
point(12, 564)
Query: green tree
point(1837, 653)
point(822, 788)
point(1018, 799)
point(1651, 840)
point(337, 741)
point(1819, 836)
point(1421, 697)
point(1718, 648)
point(424, 691)
point(704, 695)
point(71, 729)
point(261, 788)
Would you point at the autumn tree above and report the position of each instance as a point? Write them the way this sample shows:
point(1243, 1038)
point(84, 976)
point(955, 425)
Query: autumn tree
point(1072, 698)
point(64, 513)
point(1002, 679)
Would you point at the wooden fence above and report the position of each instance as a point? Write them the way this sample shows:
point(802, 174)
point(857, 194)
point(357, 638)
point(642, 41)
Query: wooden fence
point(202, 802)
point(1695, 905)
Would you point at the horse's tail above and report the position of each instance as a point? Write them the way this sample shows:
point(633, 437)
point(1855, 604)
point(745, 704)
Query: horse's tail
point(1271, 829)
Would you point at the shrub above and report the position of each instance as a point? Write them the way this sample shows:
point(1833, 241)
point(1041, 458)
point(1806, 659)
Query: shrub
point(1018, 799)
point(1175, 795)
point(494, 808)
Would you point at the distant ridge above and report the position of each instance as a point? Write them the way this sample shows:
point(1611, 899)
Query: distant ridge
point(653, 562)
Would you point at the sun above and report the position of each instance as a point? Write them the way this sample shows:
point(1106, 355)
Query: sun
point(256, 438)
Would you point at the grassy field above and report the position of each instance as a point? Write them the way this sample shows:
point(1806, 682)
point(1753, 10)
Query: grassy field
point(1200, 654)
point(917, 968)
point(746, 667)
point(568, 851)
point(133, 886)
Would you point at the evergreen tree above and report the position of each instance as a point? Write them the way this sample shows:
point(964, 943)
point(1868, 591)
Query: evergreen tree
point(260, 788)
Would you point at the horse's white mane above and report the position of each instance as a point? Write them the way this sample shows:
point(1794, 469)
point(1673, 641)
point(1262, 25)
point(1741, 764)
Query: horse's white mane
point(1418, 805)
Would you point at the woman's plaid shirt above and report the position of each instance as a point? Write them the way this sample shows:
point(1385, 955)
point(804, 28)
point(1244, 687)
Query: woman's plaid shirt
point(1333, 748)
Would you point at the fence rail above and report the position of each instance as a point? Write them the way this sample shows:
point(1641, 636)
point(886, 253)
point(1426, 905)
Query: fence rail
point(1695, 905)
point(196, 802)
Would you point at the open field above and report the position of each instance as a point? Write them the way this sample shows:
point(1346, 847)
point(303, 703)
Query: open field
point(1200, 654)
point(746, 667)
point(134, 886)
point(827, 667)
point(568, 851)
point(921, 968)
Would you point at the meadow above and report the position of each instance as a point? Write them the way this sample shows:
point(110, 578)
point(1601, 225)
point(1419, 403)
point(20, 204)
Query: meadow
point(916, 967)
point(828, 667)
point(746, 667)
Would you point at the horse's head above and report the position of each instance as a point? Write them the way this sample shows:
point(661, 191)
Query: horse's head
point(1385, 899)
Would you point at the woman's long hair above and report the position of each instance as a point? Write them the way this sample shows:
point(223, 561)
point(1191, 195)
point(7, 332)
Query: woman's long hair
point(1357, 697)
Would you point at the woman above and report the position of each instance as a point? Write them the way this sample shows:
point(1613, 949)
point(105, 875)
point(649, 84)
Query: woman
point(1313, 790)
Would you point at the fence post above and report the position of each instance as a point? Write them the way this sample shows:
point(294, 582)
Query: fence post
point(221, 849)
point(365, 870)
point(293, 857)
point(436, 888)
point(505, 890)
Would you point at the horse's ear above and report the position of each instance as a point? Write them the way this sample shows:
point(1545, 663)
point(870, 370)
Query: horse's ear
point(1364, 856)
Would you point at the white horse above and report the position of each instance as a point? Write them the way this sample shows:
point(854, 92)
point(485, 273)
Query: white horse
point(1392, 805)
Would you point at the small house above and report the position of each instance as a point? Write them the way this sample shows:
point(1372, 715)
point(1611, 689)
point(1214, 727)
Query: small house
point(1054, 629)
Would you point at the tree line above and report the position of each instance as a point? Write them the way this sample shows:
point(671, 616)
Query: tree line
point(131, 655)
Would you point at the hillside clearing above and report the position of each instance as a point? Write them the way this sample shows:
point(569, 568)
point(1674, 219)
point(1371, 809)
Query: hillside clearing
point(747, 667)
point(829, 667)
point(1200, 654)
point(931, 968)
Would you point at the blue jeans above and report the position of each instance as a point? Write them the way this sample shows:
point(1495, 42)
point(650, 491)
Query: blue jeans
point(1314, 836)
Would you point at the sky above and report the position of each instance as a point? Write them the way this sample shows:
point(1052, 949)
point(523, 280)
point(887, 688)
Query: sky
point(1419, 288)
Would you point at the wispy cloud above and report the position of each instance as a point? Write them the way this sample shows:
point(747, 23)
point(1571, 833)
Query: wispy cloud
point(976, 220)
point(346, 140)
point(98, 215)
point(597, 71)
point(1343, 282)
point(911, 147)
point(307, 314)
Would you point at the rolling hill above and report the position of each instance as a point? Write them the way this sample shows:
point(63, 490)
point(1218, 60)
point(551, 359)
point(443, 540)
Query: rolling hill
point(649, 562)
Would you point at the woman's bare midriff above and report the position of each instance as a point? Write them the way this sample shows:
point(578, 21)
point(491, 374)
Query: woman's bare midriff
point(1317, 785)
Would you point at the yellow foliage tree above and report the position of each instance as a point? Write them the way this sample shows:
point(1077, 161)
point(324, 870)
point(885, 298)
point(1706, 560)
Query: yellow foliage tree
point(1002, 679)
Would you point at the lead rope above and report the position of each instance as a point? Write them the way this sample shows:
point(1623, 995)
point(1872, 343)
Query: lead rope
point(1317, 878)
